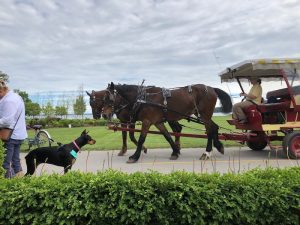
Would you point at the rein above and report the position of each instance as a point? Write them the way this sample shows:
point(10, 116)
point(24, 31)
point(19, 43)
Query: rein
point(118, 110)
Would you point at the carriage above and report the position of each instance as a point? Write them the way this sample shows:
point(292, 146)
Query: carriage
point(277, 117)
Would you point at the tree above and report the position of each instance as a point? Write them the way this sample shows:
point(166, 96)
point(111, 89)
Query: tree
point(79, 106)
point(48, 110)
point(31, 109)
point(61, 111)
point(66, 103)
point(24, 95)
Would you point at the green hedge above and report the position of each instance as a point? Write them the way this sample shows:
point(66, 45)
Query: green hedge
point(257, 197)
point(58, 122)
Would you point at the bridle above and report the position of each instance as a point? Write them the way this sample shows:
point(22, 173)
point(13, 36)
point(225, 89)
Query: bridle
point(94, 103)
point(109, 100)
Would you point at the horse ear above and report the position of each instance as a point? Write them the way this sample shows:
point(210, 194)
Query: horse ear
point(112, 86)
point(88, 93)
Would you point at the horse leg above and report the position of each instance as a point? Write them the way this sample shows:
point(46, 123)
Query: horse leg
point(132, 138)
point(124, 138)
point(208, 150)
point(176, 127)
point(145, 128)
point(161, 127)
point(215, 136)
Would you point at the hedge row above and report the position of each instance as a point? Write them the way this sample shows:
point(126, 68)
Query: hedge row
point(58, 122)
point(257, 197)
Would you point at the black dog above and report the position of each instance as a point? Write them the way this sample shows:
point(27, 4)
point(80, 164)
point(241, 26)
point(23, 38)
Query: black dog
point(64, 155)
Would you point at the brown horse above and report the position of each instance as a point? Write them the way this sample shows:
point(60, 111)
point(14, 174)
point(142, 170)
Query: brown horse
point(96, 103)
point(123, 114)
point(154, 106)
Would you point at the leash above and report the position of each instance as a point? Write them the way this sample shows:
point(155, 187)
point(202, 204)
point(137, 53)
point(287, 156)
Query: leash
point(76, 145)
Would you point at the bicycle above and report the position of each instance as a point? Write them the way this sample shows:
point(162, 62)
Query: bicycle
point(41, 138)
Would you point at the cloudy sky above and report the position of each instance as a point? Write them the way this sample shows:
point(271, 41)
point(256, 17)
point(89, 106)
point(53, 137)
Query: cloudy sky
point(60, 45)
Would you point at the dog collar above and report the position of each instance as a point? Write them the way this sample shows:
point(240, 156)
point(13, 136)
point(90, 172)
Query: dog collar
point(76, 145)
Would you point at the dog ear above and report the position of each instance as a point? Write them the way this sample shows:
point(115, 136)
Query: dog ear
point(83, 132)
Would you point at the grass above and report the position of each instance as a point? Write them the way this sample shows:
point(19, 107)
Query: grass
point(109, 140)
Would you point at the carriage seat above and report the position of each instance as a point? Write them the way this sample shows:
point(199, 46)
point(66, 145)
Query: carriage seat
point(283, 93)
point(274, 107)
point(266, 113)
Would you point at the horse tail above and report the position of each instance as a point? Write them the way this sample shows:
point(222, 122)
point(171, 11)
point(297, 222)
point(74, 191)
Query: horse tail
point(225, 100)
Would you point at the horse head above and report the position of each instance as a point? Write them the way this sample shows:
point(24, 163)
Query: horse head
point(96, 102)
point(114, 100)
point(108, 102)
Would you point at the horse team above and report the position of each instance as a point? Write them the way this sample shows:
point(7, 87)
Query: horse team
point(154, 106)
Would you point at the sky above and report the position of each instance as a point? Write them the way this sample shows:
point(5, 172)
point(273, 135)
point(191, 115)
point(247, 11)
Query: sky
point(55, 45)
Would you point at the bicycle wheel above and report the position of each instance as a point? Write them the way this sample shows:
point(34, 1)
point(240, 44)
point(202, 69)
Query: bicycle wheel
point(43, 139)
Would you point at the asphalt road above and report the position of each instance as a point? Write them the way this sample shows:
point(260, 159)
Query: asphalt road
point(235, 160)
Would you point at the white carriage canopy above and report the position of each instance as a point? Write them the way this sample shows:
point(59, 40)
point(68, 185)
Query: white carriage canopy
point(268, 69)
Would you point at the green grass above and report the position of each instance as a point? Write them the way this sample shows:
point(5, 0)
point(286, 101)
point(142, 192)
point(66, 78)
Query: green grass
point(110, 140)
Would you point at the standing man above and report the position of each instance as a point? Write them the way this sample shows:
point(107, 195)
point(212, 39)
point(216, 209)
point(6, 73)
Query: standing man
point(12, 115)
point(253, 97)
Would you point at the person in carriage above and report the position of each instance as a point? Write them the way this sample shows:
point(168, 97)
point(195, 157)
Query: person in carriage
point(253, 97)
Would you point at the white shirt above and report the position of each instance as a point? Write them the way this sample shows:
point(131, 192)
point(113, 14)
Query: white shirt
point(11, 107)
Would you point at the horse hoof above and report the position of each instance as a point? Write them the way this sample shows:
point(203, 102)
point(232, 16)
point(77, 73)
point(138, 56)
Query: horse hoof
point(145, 150)
point(174, 157)
point(131, 160)
point(221, 150)
point(121, 153)
point(204, 157)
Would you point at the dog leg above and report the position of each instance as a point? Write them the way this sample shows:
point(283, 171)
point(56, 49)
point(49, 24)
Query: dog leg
point(67, 168)
point(31, 165)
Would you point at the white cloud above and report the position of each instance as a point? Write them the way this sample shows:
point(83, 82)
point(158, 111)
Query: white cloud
point(59, 45)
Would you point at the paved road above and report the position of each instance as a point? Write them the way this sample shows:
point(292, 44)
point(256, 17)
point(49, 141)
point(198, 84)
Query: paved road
point(234, 160)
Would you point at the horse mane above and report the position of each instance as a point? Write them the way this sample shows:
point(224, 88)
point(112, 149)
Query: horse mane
point(130, 91)
point(127, 91)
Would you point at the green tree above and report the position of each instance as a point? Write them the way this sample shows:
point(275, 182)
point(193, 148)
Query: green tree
point(61, 111)
point(79, 106)
point(31, 109)
point(24, 95)
point(48, 110)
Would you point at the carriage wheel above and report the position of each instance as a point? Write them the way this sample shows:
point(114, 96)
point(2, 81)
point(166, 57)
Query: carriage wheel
point(259, 142)
point(291, 145)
